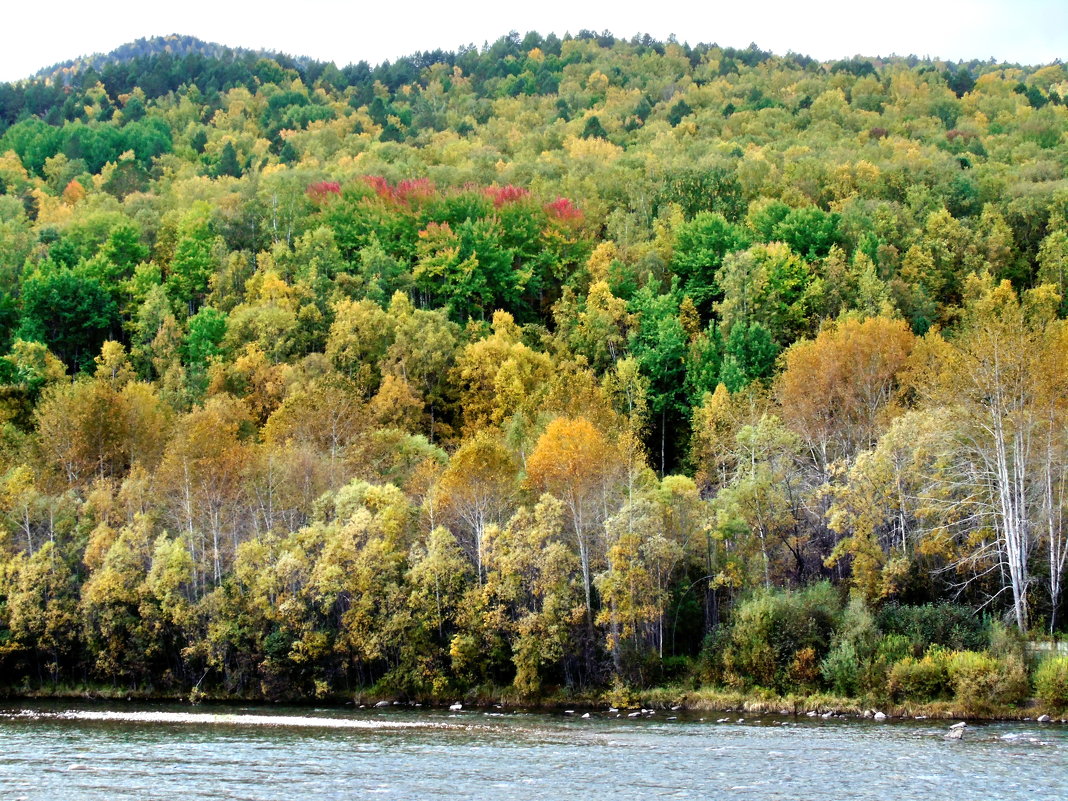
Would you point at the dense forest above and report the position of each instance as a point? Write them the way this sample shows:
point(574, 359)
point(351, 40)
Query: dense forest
point(554, 365)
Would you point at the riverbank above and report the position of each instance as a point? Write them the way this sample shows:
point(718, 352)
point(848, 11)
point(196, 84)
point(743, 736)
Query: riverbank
point(657, 699)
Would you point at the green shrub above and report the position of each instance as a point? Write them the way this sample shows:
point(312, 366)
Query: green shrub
point(893, 648)
point(854, 665)
point(1051, 682)
point(949, 625)
point(770, 632)
point(1006, 640)
point(923, 679)
point(982, 682)
point(841, 669)
point(709, 667)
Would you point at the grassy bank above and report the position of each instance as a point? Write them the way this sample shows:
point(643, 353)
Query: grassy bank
point(674, 698)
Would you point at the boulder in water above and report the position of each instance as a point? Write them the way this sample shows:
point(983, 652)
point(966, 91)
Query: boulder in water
point(1043, 718)
point(880, 716)
point(381, 704)
point(456, 707)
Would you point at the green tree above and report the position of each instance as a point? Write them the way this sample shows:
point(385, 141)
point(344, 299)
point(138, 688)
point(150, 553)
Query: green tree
point(69, 313)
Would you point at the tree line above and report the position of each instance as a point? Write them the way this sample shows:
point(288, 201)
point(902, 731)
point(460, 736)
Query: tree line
point(482, 379)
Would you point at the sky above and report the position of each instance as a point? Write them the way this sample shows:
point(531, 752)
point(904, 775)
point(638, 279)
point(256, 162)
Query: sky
point(1024, 31)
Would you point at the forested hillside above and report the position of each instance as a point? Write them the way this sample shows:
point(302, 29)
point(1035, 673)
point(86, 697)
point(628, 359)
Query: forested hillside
point(553, 365)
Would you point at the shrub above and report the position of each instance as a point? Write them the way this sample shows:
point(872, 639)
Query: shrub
point(949, 625)
point(804, 670)
point(771, 628)
point(923, 679)
point(1051, 683)
point(1006, 640)
point(841, 669)
point(853, 665)
point(709, 668)
point(982, 681)
point(893, 648)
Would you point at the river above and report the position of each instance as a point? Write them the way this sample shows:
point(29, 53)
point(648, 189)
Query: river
point(56, 752)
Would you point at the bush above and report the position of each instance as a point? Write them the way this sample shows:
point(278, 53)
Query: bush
point(841, 669)
point(709, 667)
point(1051, 683)
point(893, 648)
point(923, 679)
point(981, 682)
point(949, 625)
point(1007, 641)
point(769, 635)
point(854, 665)
point(804, 670)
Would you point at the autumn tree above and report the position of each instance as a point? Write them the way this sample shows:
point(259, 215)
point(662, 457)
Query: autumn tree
point(476, 490)
point(574, 463)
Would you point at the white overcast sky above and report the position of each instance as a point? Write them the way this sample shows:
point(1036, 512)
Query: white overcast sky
point(1027, 31)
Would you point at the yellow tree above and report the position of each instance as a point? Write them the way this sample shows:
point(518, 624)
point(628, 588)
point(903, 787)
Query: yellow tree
point(477, 489)
point(499, 376)
point(100, 426)
point(835, 390)
point(200, 481)
point(328, 416)
point(574, 463)
point(988, 379)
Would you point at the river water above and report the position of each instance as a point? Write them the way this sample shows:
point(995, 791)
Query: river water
point(88, 752)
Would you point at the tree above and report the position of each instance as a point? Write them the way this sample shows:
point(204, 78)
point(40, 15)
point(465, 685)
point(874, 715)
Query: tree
point(593, 129)
point(809, 232)
point(200, 479)
point(359, 337)
point(574, 463)
point(228, 163)
point(836, 389)
point(499, 376)
point(195, 258)
point(763, 494)
point(987, 378)
point(748, 355)
point(769, 285)
point(476, 490)
point(68, 312)
point(700, 246)
point(437, 580)
point(101, 426)
point(658, 343)
point(42, 608)
point(423, 352)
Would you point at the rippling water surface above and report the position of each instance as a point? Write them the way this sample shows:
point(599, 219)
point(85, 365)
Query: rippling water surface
point(59, 752)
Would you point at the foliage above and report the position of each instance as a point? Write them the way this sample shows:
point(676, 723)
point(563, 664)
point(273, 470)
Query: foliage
point(1051, 683)
point(981, 681)
point(923, 679)
point(776, 636)
point(316, 378)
